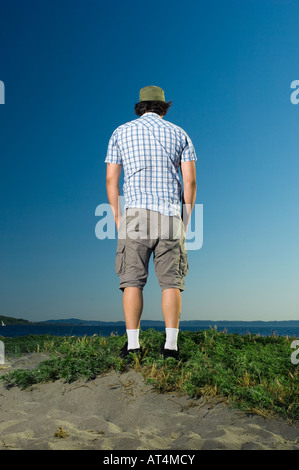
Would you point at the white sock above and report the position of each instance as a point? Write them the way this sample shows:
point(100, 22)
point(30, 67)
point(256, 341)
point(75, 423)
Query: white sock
point(133, 339)
point(171, 338)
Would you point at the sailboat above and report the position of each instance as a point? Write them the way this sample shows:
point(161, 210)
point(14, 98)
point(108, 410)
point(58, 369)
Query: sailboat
point(2, 323)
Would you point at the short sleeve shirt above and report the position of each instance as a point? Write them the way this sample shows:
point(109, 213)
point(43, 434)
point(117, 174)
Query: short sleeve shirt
point(150, 149)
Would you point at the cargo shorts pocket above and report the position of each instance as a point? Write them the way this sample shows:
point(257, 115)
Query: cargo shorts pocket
point(120, 260)
point(184, 266)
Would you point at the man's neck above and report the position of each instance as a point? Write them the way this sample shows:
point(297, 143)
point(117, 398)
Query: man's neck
point(152, 112)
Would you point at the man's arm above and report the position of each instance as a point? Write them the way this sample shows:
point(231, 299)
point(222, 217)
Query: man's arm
point(189, 190)
point(113, 192)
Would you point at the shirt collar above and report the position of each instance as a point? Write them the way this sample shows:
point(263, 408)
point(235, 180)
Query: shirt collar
point(151, 114)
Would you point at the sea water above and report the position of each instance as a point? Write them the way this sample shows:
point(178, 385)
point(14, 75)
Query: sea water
point(288, 329)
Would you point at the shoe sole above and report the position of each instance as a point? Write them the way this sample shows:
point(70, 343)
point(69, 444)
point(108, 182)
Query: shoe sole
point(168, 353)
point(125, 352)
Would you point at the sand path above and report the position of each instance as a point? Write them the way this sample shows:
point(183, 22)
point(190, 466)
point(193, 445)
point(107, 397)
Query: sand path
point(121, 412)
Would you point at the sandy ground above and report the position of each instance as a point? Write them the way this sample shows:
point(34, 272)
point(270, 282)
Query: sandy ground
point(121, 412)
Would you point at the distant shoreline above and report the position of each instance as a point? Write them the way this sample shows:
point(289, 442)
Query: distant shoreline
point(85, 328)
point(185, 323)
point(243, 323)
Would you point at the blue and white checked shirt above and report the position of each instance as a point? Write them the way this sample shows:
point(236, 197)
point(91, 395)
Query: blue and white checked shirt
point(150, 150)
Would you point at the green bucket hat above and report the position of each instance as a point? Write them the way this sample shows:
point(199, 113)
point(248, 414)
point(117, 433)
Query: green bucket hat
point(151, 93)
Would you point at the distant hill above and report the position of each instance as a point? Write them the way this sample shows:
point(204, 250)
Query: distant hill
point(12, 321)
point(186, 323)
point(148, 323)
point(77, 321)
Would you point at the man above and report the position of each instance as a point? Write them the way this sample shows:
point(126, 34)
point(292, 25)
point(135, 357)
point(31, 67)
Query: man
point(151, 151)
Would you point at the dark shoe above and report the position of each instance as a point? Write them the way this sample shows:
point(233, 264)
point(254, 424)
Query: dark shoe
point(125, 351)
point(170, 353)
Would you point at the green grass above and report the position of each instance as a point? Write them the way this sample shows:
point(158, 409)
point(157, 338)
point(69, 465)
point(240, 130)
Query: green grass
point(254, 373)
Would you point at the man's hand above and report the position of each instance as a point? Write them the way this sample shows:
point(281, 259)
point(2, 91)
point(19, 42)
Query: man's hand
point(113, 192)
point(189, 190)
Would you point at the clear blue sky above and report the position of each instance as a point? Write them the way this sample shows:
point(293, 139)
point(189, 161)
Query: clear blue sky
point(72, 72)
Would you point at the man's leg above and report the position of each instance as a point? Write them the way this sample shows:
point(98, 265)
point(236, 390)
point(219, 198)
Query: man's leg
point(171, 308)
point(133, 306)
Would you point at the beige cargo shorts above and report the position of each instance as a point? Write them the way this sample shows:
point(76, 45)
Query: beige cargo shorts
point(143, 232)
